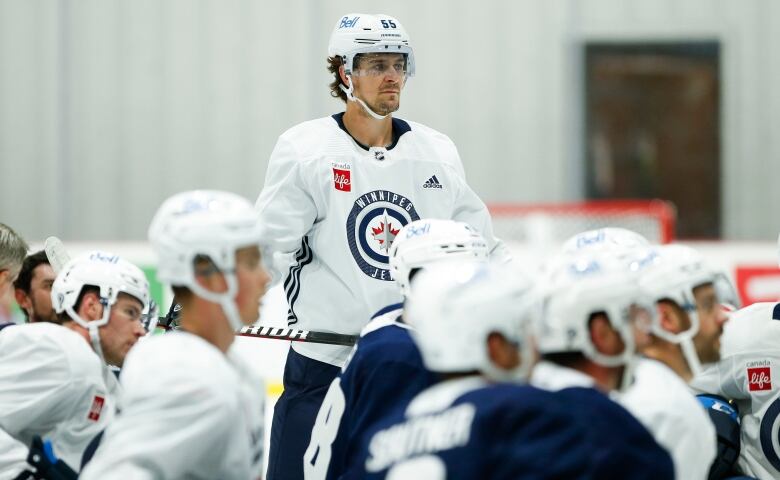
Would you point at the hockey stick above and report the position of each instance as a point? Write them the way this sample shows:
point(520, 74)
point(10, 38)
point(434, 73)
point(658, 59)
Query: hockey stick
point(170, 322)
point(56, 253)
point(58, 256)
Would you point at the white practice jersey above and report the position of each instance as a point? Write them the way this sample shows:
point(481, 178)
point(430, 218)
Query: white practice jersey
point(333, 208)
point(664, 404)
point(748, 374)
point(52, 384)
point(189, 412)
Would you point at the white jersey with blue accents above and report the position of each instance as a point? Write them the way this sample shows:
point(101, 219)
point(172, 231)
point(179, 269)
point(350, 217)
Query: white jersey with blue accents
point(52, 384)
point(664, 404)
point(748, 374)
point(331, 207)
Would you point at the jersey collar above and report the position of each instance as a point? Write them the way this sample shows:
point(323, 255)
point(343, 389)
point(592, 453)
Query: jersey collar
point(399, 128)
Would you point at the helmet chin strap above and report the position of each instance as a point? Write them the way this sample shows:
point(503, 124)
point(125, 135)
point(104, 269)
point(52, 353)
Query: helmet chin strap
point(93, 326)
point(350, 96)
point(691, 356)
point(225, 300)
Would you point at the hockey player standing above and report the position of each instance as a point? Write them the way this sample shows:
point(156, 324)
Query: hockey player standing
point(54, 379)
point(385, 368)
point(192, 408)
point(337, 191)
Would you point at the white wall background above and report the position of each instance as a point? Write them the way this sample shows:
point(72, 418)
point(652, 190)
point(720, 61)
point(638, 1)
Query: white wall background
point(107, 107)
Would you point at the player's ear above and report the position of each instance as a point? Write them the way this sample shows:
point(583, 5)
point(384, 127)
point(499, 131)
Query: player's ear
point(90, 308)
point(667, 318)
point(502, 352)
point(22, 299)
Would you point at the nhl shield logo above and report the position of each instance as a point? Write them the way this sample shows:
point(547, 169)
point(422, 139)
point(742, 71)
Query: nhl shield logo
point(372, 224)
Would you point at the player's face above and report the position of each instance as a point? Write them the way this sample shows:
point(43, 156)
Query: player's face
point(38, 304)
point(711, 320)
point(252, 282)
point(378, 80)
point(123, 330)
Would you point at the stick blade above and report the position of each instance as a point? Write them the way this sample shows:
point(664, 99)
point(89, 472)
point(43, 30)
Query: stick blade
point(56, 253)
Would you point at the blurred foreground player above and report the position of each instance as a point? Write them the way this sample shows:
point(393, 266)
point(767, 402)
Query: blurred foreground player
point(192, 407)
point(385, 368)
point(468, 326)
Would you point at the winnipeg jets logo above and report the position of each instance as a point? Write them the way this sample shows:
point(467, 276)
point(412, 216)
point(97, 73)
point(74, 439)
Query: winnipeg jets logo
point(384, 234)
point(374, 221)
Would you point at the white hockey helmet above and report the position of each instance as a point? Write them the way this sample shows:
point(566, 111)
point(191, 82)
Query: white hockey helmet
point(203, 223)
point(580, 286)
point(108, 272)
point(672, 272)
point(428, 241)
point(604, 240)
point(454, 307)
point(357, 33)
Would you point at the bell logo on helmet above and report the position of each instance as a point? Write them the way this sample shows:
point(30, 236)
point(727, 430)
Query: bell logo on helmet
point(104, 257)
point(347, 22)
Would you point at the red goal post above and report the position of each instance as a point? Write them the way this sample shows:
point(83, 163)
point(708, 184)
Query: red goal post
point(552, 223)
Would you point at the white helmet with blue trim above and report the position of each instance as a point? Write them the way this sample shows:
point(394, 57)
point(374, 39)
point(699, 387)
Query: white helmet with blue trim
point(359, 33)
point(108, 272)
point(424, 242)
point(455, 306)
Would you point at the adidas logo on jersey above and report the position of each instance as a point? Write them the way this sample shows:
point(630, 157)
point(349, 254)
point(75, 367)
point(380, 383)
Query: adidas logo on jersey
point(432, 182)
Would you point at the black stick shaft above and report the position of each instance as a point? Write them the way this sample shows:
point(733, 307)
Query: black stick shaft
point(170, 321)
point(280, 333)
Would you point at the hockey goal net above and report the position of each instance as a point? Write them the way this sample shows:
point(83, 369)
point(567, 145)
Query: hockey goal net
point(551, 224)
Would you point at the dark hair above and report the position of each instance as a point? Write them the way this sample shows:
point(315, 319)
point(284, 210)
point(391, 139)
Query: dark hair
point(32, 261)
point(334, 64)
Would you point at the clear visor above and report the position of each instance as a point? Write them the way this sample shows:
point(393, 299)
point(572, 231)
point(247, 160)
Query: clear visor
point(380, 64)
point(726, 293)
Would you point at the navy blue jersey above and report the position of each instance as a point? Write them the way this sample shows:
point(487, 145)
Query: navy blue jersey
point(467, 429)
point(384, 371)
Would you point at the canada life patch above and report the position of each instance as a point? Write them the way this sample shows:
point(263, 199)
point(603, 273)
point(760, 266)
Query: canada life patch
point(341, 177)
point(759, 378)
point(372, 224)
point(96, 408)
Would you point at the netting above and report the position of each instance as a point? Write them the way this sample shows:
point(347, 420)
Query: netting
point(550, 224)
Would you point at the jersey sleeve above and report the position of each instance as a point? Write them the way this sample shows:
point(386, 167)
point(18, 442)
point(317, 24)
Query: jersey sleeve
point(723, 378)
point(286, 208)
point(37, 394)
